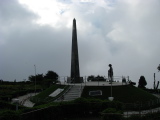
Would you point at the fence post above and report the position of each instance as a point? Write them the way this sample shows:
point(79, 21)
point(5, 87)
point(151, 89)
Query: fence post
point(122, 81)
point(68, 81)
point(64, 80)
point(127, 110)
point(98, 81)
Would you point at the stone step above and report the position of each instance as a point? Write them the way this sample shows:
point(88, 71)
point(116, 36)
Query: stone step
point(73, 93)
point(73, 96)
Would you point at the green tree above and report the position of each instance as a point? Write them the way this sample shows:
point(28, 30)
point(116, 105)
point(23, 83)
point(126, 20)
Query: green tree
point(51, 75)
point(142, 82)
point(50, 78)
point(39, 78)
point(100, 78)
point(90, 78)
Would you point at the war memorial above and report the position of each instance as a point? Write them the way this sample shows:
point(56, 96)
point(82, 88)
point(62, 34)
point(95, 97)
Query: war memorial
point(75, 73)
point(75, 77)
point(85, 98)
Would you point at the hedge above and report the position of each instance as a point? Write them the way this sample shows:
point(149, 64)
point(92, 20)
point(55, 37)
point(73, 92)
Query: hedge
point(74, 109)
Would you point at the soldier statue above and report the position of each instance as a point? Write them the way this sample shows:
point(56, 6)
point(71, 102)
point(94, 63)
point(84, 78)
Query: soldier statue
point(110, 73)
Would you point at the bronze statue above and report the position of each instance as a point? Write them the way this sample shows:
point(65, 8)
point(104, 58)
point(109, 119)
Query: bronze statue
point(110, 73)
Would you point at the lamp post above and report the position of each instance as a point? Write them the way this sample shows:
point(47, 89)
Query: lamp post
point(16, 101)
point(111, 98)
point(35, 78)
point(111, 86)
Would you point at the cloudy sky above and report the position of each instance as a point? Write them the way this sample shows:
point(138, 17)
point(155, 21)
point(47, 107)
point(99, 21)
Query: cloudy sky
point(124, 33)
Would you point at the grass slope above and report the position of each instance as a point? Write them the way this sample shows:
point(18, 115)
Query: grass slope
point(125, 94)
point(44, 96)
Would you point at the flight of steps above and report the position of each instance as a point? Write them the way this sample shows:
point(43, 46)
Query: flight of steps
point(74, 92)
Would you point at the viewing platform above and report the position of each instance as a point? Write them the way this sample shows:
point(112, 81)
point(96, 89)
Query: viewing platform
point(101, 81)
point(95, 83)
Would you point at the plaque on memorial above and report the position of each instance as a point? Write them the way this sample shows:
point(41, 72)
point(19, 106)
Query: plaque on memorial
point(95, 93)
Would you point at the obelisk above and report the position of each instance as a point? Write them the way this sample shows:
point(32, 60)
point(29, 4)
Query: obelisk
point(75, 74)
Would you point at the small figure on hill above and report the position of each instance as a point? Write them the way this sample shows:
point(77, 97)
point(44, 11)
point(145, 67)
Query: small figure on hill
point(110, 73)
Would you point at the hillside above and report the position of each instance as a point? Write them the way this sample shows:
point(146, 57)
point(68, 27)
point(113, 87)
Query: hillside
point(125, 94)
point(44, 97)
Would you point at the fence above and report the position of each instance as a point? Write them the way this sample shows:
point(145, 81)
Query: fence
point(98, 80)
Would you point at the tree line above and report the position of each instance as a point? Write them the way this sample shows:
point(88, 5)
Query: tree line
point(49, 78)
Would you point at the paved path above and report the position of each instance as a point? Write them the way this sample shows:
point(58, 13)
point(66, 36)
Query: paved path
point(157, 95)
point(25, 99)
point(143, 112)
point(129, 113)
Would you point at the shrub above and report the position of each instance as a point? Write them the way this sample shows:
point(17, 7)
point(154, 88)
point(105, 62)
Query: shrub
point(9, 115)
point(134, 117)
point(112, 114)
point(8, 106)
point(142, 82)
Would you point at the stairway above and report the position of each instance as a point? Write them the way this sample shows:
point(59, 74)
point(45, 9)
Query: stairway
point(73, 93)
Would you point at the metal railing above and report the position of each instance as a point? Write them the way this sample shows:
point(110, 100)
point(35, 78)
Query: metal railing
point(65, 80)
point(61, 97)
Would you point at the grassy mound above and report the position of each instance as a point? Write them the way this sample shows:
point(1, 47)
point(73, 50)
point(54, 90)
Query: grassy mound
point(44, 96)
point(125, 93)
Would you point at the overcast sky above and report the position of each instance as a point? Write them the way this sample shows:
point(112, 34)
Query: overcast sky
point(124, 33)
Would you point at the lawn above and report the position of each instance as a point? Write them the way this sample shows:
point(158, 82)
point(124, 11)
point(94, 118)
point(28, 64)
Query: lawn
point(44, 95)
point(125, 93)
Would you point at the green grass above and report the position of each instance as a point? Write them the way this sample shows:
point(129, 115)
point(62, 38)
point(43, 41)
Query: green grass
point(9, 91)
point(44, 96)
point(125, 94)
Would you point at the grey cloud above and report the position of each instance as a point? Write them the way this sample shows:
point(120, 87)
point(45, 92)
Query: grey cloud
point(126, 36)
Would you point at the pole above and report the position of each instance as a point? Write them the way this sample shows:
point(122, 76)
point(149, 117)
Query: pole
point(98, 81)
point(81, 82)
point(154, 86)
point(111, 86)
point(17, 106)
point(35, 78)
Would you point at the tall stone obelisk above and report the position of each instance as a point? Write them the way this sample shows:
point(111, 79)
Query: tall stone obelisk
point(75, 74)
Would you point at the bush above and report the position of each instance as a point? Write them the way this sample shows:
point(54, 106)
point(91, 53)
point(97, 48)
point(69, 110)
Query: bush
point(9, 115)
point(112, 114)
point(95, 106)
point(134, 117)
point(8, 106)
point(142, 82)
point(78, 108)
